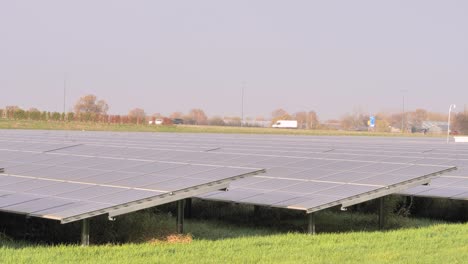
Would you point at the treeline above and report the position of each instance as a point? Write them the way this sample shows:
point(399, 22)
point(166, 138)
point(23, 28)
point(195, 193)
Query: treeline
point(89, 109)
point(416, 121)
point(16, 113)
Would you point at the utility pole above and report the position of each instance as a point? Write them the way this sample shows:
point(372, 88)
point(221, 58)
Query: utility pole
point(64, 93)
point(403, 116)
point(242, 104)
point(452, 106)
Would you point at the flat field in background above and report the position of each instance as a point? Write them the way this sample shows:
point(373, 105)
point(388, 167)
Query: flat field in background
point(90, 126)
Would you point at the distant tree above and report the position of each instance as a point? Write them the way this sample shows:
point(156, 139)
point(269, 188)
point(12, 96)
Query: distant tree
point(70, 116)
point(33, 109)
point(157, 116)
point(259, 118)
point(233, 121)
point(137, 115)
point(34, 114)
point(355, 120)
point(397, 120)
point(301, 118)
point(432, 116)
point(167, 121)
point(114, 119)
point(415, 119)
point(55, 116)
point(216, 121)
point(176, 115)
point(419, 116)
point(104, 118)
point(10, 111)
point(44, 116)
point(306, 120)
point(20, 114)
point(312, 120)
point(382, 125)
point(90, 105)
point(332, 124)
point(124, 119)
point(279, 114)
point(197, 117)
point(460, 123)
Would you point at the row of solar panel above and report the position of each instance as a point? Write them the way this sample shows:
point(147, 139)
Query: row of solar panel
point(265, 159)
point(93, 170)
point(60, 186)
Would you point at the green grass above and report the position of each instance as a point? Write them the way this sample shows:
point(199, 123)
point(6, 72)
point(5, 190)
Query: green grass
point(435, 244)
point(220, 241)
point(90, 126)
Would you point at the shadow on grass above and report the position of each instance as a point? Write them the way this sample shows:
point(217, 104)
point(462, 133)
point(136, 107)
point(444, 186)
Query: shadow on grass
point(215, 221)
point(210, 221)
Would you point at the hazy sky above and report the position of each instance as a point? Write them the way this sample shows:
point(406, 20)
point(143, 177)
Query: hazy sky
point(165, 56)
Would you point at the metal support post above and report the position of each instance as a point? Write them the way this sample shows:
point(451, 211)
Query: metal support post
point(85, 233)
point(188, 208)
point(381, 213)
point(311, 220)
point(180, 216)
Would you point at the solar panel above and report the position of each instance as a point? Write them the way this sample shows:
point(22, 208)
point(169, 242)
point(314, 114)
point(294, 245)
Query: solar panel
point(269, 198)
point(69, 187)
point(34, 205)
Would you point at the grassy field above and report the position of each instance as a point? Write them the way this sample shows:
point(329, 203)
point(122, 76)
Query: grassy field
point(90, 126)
point(431, 243)
point(246, 238)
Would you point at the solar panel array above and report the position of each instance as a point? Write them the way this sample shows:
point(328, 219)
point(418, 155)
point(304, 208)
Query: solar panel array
point(400, 150)
point(304, 173)
point(45, 180)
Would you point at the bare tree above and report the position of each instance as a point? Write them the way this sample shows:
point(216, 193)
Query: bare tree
point(197, 117)
point(216, 121)
point(259, 118)
point(432, 116)
point(137, 115)
point(417, 117)
point(157, 116)
point(232, 121)
point(312, 120)
point(460, 123)
point(301, 118)
point(177, 115)
point(89, 104)
point(356, 120)
point(280, 114)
